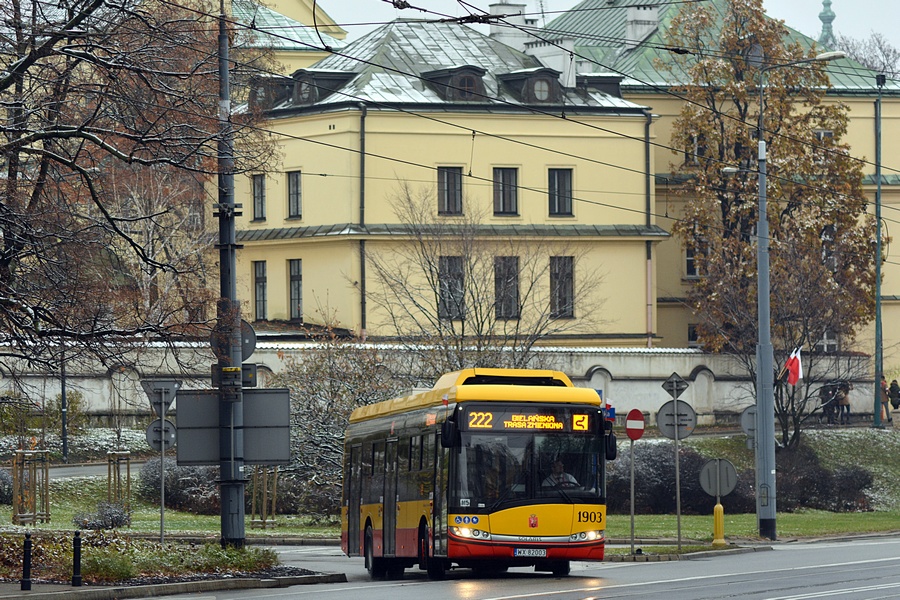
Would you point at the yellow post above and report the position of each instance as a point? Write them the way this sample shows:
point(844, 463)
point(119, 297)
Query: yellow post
point(718, 525)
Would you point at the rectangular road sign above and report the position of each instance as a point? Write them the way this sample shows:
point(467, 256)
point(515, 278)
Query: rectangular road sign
point(267, 427)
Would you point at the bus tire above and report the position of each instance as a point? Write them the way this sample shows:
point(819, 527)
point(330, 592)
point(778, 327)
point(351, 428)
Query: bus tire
point(375, 565)
point(560, 568)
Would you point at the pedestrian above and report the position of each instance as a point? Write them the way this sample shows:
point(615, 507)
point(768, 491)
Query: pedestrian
point(894, 393)
point(828, 400)
point(843, 399)
point(885, 402)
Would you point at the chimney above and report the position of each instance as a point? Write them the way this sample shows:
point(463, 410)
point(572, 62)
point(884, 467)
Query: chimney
point(508, 32)
point(640, 22)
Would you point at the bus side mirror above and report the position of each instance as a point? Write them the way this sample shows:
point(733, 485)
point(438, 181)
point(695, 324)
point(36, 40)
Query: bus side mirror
point(449, 434)
point(611, 448)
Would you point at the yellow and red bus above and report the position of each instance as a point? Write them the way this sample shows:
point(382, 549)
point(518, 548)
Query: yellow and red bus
point(467, 474)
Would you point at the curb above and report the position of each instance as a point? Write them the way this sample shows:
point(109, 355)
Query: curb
point(690, 556)
point(168, 589)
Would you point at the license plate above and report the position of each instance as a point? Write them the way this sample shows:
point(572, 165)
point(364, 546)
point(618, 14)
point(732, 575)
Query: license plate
point(532, 552)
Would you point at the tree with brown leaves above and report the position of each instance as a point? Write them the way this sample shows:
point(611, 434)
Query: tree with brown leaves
point(822, 265)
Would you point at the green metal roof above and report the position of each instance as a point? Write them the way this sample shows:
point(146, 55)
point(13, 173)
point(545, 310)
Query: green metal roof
point(273, 31)
point(598, 27)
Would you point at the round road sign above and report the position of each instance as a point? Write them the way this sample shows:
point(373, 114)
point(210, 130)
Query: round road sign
point(686, 419)
point(634, 424)
point(718, 477)
point(161, 434)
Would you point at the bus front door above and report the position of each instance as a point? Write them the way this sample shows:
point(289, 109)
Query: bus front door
point(390, 497)
point(353, 500)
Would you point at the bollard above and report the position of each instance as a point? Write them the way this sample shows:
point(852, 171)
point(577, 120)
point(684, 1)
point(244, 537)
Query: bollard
point(26, 564)
point(718, 526)
point(76, 560)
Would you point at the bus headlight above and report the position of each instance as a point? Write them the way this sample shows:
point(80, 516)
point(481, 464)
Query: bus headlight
point(586, 536)
point(465, 532)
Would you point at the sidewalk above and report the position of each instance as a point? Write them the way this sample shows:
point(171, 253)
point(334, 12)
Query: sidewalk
point(49, 591)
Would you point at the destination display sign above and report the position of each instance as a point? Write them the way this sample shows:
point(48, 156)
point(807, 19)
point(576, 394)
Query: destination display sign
point(525, 418)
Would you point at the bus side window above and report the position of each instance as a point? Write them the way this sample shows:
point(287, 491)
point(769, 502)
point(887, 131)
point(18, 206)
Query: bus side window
point(403, 459)
point(415, 455)
point(377, 469)
point(428, 451)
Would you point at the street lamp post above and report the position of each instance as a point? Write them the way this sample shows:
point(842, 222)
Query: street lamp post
point(880, 80)
point(765, 360)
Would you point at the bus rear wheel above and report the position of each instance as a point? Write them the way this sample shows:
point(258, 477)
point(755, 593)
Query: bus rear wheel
point(376, 566)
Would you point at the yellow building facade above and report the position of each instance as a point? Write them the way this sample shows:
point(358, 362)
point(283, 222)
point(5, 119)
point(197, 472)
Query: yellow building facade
point(528, 164)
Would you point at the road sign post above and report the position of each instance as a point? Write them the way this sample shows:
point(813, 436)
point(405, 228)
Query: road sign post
point(634, 429)
point(669, 418)
point(161, 393)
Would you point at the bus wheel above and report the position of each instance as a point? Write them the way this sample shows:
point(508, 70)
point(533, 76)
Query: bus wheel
point(560, 568)
point(375, 566)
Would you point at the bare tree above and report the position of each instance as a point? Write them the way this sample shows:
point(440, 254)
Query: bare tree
point(456, 294)
point(328, 380)
point(91, 90)
point(874, 52)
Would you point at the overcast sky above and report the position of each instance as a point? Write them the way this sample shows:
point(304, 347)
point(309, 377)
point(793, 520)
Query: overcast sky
point(855, 18)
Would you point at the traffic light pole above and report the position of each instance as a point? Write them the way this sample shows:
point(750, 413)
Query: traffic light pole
point(228, 320)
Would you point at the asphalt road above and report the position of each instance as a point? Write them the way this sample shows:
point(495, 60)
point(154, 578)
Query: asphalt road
point(860, 569)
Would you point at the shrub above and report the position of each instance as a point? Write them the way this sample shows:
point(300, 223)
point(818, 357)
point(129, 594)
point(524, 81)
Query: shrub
point(299, 496)
point(191, 489)
point(109, 515)
point(6, 490)
point(76, 412)
point(803, 482)
point(107, 565)
point(654, 486)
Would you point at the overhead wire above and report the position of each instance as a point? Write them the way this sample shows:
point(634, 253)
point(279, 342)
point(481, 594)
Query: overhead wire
point(234, 23)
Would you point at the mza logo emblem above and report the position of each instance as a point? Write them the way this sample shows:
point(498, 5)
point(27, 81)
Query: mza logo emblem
point(532, 521)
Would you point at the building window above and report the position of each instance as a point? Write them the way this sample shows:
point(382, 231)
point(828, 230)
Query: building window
point(562, 287)
point(466, 87)
point(295, 195)
point(259, 290)
point(451, 295)
point(559, 191)
point(690, 263)
point(693, 338)
point(828, 343)
point(259, 197)
point(449, 190)
point(541, 89)
point(295, 267)
point(696, 149)
point(506, 287)
point(506, 201)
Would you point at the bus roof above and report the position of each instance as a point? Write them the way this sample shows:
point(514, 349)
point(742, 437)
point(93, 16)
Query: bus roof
point(523, 385)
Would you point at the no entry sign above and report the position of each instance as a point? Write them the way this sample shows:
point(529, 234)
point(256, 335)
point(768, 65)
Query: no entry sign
point(634, 424)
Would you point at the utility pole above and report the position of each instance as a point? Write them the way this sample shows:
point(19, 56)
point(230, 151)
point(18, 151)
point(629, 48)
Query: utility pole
point(880, 80)
point(228, 320)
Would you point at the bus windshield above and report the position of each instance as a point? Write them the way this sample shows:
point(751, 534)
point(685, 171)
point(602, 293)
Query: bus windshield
point(500, 470)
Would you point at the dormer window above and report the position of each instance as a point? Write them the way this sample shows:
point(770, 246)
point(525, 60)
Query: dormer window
point(461, 84)
point(540, 89)
point(533, 86)
point(304, 92)
point(466, 87)
point(315, 85)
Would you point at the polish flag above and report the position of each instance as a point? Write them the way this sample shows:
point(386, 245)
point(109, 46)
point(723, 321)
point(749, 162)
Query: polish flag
point(794, 367)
